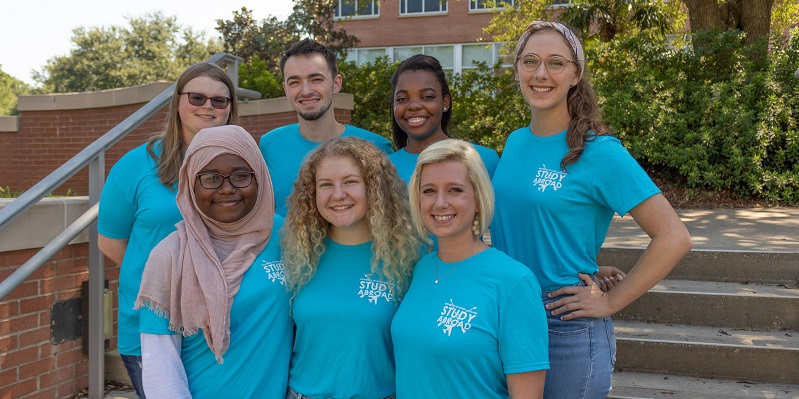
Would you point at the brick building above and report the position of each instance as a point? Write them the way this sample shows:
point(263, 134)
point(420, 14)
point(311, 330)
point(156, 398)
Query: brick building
point(451, 31)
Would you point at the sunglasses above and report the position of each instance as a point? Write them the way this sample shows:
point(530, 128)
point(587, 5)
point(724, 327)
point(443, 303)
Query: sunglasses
point(199, 100)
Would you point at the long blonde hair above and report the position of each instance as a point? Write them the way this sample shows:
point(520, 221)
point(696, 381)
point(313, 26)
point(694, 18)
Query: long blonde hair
point(171, 137)
point(395, 246)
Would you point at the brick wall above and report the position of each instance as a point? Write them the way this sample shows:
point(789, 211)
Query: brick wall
point(31, 366)
point(47, 138)
point(458, 25)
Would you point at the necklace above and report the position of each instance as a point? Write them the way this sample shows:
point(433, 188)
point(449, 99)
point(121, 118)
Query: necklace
point(445, 275)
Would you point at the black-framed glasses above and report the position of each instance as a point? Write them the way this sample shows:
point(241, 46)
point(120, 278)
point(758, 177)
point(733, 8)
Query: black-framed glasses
point(198, 100)
point(555, 64)
point(212, 181)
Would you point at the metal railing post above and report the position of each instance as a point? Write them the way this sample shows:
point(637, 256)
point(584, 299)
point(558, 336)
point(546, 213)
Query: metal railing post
point(96, 287)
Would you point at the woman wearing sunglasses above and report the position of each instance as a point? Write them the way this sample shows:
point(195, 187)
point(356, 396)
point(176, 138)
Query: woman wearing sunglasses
point(557, 185)
point(213, 289)
point(137, 207)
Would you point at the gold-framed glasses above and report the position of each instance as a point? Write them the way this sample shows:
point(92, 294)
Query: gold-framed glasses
point(554, 64)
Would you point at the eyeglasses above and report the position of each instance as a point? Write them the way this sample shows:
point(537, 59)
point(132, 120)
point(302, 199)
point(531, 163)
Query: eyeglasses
point(555, 64)
point(212, 181)
point(199, 100)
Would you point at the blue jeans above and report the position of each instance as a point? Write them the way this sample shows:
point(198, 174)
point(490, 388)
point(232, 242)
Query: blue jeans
point(582, 353)
point(133, 365)
point(292, 394)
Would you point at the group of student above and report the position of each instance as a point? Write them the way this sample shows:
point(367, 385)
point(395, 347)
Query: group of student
point(323, 264)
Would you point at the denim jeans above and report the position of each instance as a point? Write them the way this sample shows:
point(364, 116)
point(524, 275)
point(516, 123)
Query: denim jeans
point(582, 353)
point(133, 365)
point(292, 394)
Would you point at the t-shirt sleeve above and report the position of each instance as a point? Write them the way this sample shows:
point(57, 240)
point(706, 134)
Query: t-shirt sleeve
point(523, 333)
point(491, 160)
point(118, 201)
point(621, 183)
point(152, 323)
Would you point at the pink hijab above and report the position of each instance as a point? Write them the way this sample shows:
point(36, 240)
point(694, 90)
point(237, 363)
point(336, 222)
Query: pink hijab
point(194, 273)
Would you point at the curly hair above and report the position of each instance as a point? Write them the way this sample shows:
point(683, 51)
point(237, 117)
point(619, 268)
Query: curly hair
point(395, 245)
point(585, 122)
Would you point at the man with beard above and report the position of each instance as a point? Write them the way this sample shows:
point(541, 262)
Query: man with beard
point(310, 80)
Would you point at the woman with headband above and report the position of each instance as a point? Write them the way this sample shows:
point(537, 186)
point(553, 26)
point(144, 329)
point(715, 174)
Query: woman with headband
point(558, 184)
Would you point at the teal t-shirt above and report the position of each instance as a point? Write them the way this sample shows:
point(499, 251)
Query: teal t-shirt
point(135, 206)
point(460, 337)
point(405, 162)
point(553, 220)
point(285, 148)
point(256, 363)
point(342, 347)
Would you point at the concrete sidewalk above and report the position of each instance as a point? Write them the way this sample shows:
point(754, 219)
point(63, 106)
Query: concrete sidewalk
point(747, 229)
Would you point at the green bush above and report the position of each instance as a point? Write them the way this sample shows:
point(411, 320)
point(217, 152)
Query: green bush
point(255, 75)
point(370, 83)
point(720, 119)
point(486, 102)
point(487, 106)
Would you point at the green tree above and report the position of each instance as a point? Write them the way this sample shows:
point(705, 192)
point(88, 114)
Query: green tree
point(314, 18)
point(151, 48)
point(603, 19)
point(608, 18)
point(256, 75)
point(270, 38)
point(10, 89)
point(247, 38)
point(755, 18)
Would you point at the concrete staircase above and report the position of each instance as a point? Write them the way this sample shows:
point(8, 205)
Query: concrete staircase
point(725, 324)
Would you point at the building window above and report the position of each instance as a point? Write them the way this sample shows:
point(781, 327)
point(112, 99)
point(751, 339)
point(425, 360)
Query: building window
point(454, 58)
point(403, 53)
point(371, 55)
point(422, 7)
point(479, 5)
point(357, 8)
point(561, 3)
point(488, 53)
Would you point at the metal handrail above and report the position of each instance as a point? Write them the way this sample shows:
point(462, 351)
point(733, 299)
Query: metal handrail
point(47, 252)
point(83, 158)
point(94, 157)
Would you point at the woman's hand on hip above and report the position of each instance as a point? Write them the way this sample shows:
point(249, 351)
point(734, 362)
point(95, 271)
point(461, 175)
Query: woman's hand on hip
point(587, 301)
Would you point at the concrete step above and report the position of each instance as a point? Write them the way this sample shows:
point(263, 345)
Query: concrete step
point(708, 303)
point(631, 385)
point(708, 352)
point(710, 265)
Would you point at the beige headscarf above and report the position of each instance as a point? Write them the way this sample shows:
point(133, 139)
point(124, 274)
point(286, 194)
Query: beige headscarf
point(184, 277)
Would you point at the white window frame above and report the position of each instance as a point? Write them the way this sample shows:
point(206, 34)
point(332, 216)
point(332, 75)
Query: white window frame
point(565, 3)
point(457, 54)
point(375, 4)
point(442, 3)
point(474, 9)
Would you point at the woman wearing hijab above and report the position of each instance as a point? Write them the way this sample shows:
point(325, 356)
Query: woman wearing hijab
point(219, 274)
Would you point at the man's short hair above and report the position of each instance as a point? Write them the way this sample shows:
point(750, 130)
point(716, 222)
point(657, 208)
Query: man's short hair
point(308, 47)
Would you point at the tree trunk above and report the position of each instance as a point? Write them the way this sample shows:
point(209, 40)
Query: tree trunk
point(704, 15)
point(756, 18)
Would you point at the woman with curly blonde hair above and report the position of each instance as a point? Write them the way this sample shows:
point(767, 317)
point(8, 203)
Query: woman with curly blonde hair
point(348, 250)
